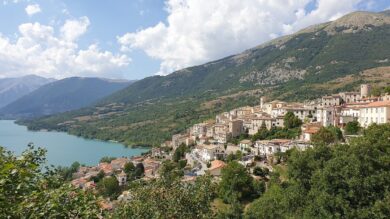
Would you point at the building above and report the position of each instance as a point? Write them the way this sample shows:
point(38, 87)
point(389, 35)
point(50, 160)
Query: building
point(236, 127)
point(210, 152)
point(258, 122)
point(178, 139)
point(122, 178)
point(308, 130)
point(245, 145)
point(270, 147)
point(350, 97)
point(221, 133)
point(375, 112)
point(333, 100)
point(119, 163)
point(216, 167)
point(199, 130)
point(365, 90)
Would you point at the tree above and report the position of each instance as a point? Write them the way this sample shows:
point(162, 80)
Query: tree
point(109, 187)
point(129, 168)
point(28, 190)
point(169, 199)
point(324, 136)
point(342, 181)
point(169, 171)
point(258, 171)
point(98, 177)
point(291, 121)
point(235, 182)
point(352, 128)
point(139, 170)
point(179, 152)
point(107, 159)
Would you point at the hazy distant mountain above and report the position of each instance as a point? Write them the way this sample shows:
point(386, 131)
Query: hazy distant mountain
point(62, 95)
point(12, 89)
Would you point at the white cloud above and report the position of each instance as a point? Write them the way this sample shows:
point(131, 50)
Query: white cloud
point(73, 29)
point(197, 31)
point(38, 50)
point(32, 9)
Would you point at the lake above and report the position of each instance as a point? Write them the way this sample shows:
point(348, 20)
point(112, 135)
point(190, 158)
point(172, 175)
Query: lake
point(62, 149)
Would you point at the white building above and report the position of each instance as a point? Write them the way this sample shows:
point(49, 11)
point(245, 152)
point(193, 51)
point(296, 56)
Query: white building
point(375, 112)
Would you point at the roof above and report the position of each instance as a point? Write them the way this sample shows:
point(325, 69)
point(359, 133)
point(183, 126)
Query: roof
point(216, 164)
point(246, 141)
point(378, 104)
point(331, 97)
point(312, 130)
point(122, 174)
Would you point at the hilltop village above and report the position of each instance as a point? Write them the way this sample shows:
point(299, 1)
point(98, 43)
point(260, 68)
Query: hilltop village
point(257, 137)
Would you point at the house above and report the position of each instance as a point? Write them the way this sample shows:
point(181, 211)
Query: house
point(245, 145)
point(328, 115)
point(235, 127)
point(199, 130)
point(178, 139)
point(350, 97)
point(333, 100)
point(106, 168)
point(375, 112)
point(79, 183)
point(216, 167)
point(270, 147)
point(122, 178)
point(258, 122)
point(210, 152)
point(125, 196)
point(350, 112)
point(221, 133)
point(119, 163)
point(308, 130)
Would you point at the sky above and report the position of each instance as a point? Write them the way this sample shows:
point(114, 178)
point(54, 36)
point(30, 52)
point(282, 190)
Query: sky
point(134, 39)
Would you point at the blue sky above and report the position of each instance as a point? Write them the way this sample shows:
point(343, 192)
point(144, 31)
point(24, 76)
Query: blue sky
point(134, 39)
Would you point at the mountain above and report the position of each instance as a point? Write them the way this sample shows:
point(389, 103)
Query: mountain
point(62, 95)
point(315, 61)
point(12, 89)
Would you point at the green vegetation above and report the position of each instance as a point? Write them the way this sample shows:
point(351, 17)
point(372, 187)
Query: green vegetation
point(258, 171)
point(291, 121)
point(29, 191)
point(67, 172)
point(275, 133)
point(107, 159)
point(236, 183)
point(109, 187)
point(328, 135)
point(169, 199)
point(352, 128)
point(180, 152)
point(157, 107)
point(342, 181)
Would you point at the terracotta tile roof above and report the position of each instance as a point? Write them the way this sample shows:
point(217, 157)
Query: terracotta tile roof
point(215, 164)
point(312, 130)
point(378, 104)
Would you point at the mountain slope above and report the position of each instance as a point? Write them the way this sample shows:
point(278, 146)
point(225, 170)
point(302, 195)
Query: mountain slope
point(290, 68)
point(63, 95)
point(12, 89)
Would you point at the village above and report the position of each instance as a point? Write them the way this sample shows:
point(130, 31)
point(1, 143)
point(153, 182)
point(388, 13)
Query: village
point(206, 147)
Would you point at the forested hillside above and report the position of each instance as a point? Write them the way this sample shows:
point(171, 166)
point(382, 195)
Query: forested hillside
point(293, 67)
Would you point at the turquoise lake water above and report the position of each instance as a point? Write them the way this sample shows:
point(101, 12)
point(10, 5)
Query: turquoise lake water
point(62, 149)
